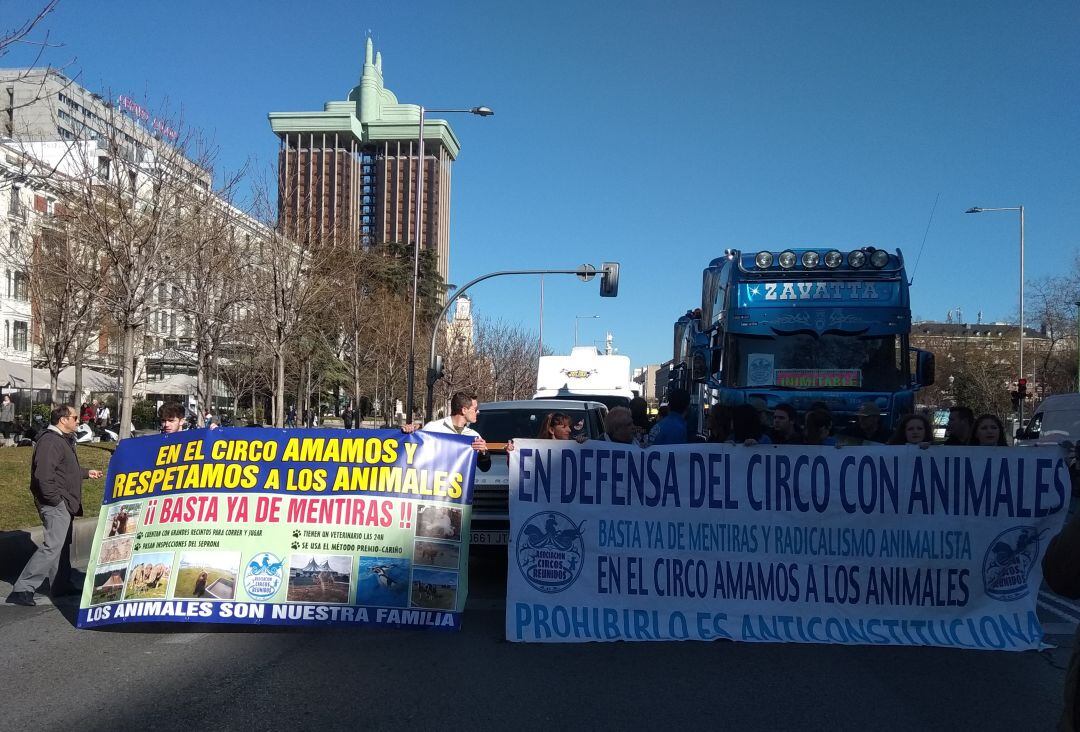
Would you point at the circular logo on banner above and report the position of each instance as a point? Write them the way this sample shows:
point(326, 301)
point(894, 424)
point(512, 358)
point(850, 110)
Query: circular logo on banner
point(550, 551)
point(262, 578)
point(1008, 562)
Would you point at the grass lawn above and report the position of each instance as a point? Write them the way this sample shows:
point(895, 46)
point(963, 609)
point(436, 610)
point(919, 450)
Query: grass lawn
point(17, 510)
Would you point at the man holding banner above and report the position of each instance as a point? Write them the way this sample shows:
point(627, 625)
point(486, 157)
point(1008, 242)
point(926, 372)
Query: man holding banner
point(56, 482)
point(463, 412)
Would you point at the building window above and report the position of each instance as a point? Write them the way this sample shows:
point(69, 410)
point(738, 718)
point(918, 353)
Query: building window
point(103, 168)
point(19, 336)
point(7, 334)
point(21, 286)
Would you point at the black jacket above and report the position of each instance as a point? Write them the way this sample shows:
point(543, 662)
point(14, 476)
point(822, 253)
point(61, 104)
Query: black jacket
point(55, 473)
point(1061, 570)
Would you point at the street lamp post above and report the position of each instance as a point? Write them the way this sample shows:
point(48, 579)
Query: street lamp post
point(1020, 209)
point(1078, 346)
point(410, 378)
point(577, 321)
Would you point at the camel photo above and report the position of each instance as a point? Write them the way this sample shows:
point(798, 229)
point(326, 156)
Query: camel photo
point(149, 576)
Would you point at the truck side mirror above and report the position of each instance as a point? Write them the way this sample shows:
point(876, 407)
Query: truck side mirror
point(699, 370)
point(924, 368)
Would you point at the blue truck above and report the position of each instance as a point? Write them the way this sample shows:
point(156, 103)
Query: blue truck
point(801, 326)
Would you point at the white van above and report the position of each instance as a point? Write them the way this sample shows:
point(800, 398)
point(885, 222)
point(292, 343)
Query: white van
point(1056, 420)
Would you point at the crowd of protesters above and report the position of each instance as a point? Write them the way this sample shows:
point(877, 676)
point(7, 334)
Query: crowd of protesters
point(749, 424)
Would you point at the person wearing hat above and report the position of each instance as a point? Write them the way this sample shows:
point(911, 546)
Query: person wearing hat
point(868, 427)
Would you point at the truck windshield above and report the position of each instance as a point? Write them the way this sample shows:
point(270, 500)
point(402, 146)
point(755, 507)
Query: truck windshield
point(816, 362)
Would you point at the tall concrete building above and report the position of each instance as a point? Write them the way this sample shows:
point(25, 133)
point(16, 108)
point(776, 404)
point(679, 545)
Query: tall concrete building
point(41, 105)
point(348, 173)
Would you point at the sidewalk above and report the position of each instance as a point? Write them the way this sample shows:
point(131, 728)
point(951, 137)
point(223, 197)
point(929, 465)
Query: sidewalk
point(17, 546)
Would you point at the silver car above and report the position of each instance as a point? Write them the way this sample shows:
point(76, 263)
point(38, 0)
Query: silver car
point(500, 422)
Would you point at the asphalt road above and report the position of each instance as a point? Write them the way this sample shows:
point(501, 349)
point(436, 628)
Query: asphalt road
point(223, 678)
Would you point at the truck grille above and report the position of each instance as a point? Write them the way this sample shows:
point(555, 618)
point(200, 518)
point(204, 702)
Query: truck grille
point(491, 500)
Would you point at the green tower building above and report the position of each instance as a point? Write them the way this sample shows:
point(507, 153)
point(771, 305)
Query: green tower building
point(348, 173)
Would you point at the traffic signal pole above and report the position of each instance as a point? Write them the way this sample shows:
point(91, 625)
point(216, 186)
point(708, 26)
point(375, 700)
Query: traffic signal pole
point(609, 287)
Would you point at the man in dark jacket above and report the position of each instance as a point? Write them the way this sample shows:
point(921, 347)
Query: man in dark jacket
point(1061, 570)
point(56, 482)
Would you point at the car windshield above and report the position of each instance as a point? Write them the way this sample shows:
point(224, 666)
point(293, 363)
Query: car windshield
point(1060, 425)
point(810, 361)
point(501, 425)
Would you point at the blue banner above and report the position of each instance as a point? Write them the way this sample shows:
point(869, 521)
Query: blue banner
point(864, 545)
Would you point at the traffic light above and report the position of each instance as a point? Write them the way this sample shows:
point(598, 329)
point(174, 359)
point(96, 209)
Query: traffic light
point(609, 279)
point(1021, 388)
point(1015, 396)
point(436, 373)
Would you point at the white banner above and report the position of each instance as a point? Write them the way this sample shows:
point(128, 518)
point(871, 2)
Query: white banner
point(868, 545)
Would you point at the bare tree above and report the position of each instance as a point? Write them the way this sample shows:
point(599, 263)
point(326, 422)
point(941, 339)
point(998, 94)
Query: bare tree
point(388, 350)
point(23, 34)
point(214, 251)
point(1052, 309)
point(129, 201)
point(287, 292)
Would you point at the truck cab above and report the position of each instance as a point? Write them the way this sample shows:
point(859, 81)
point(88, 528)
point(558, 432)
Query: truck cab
point(806, 327)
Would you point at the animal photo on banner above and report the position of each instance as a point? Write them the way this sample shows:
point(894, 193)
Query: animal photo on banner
point(116, 550)
point(439, 522)
point(149, 576)
point(207, 575)
point(122, 519)
point(434, 589)
point(319, 578)
point(382, 582)
point(436, 554)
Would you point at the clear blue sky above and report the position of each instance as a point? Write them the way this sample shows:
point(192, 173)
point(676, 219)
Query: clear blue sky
point(659, 134)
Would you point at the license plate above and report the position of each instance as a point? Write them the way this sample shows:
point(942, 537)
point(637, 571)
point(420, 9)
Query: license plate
point(490, 537)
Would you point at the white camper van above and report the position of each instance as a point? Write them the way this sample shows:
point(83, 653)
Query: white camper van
point(586, 374)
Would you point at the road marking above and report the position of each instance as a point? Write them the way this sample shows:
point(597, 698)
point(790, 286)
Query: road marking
point(180, 638)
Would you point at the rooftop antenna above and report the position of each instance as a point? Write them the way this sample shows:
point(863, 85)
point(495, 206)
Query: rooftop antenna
point(911, 279)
